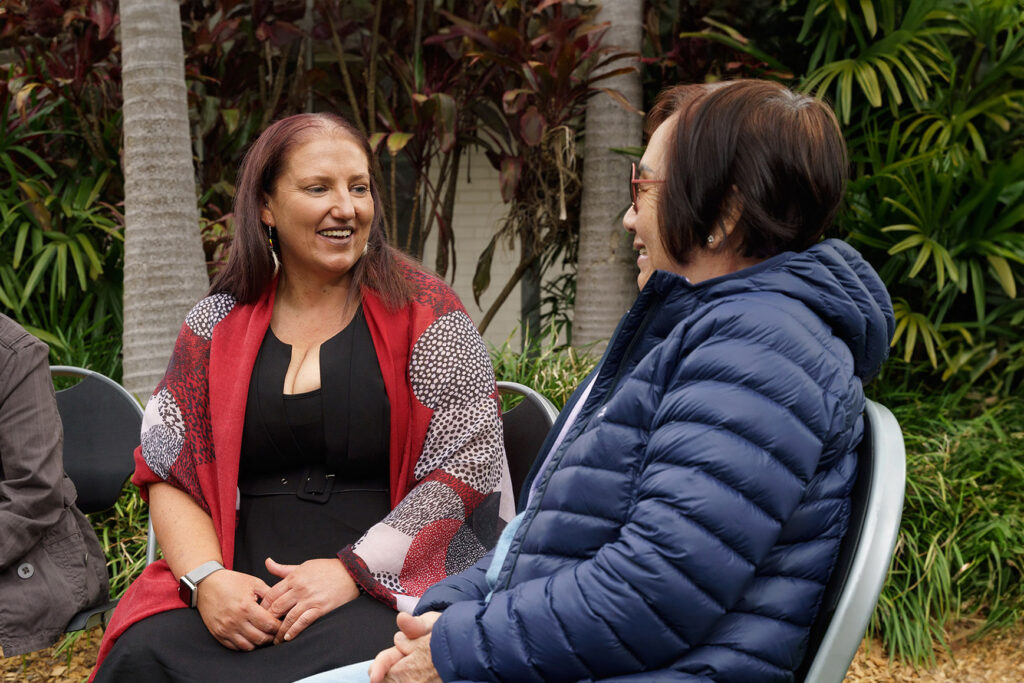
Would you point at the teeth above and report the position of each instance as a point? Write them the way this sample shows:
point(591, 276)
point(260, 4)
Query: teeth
point(643, 251)
point(336, 233)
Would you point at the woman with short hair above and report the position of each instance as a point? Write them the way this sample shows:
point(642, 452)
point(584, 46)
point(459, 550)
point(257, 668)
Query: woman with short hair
point(687, 509)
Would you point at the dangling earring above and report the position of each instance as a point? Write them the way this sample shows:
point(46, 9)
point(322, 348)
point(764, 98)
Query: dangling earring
point(273, 252)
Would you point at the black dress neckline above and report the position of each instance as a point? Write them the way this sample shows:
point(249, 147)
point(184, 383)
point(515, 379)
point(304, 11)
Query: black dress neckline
point(274, 339)
point(343, 426)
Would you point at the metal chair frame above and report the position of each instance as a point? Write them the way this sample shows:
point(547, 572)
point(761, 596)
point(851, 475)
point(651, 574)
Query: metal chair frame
point(868, 548)
point(525, 426)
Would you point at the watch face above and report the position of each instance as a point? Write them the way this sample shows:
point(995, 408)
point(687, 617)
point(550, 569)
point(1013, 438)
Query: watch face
point(185, 591)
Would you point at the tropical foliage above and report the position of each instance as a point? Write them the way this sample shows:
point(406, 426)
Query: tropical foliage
point(60, 228)
point(538, 70)
point(958, 571)
point(930, 94)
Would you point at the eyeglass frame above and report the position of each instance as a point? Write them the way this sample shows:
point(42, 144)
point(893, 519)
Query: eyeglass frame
point(634, 181)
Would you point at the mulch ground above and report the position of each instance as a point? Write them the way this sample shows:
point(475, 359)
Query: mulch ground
point(998, 658)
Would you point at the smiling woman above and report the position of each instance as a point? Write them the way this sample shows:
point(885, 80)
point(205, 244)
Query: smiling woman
point(311, 461)
point(321, 209)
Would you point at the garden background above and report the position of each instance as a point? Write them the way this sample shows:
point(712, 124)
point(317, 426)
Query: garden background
point(930, 94)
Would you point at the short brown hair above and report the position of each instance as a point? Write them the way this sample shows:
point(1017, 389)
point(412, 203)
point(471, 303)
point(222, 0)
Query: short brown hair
point(777, 154)
point(250, 267)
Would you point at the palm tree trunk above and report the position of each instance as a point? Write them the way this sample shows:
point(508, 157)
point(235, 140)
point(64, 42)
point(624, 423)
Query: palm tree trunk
point(606, 271)
point(165, 269)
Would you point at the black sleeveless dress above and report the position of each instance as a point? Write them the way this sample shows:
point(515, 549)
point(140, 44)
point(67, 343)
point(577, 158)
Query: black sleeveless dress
point(320, 457)
point(313, 477)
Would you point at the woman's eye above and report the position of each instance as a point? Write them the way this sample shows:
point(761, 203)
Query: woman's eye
point(360, 189)
point(316, 189)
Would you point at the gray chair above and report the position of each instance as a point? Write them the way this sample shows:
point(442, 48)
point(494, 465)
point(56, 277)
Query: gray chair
point(525, 426)
point(865, 553)
point(102, 423)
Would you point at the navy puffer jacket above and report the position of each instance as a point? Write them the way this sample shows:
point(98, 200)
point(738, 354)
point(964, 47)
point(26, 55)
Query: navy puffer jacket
point(686, 526)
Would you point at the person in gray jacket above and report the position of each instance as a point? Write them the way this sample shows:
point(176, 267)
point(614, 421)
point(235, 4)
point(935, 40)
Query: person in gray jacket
point(51, 563)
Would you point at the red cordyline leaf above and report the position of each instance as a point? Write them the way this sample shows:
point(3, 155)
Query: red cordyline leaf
point(279, 33)
point(508, 177)
point(105, 18)
point(545, 4)
point(532, 126)
point(445, 120)
point(513, 101)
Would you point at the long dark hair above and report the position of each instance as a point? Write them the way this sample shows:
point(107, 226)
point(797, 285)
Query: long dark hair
point(775, 157)
point(250, 267)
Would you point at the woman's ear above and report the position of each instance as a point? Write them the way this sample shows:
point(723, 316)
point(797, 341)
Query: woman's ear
point(732, 210)
point(266, 215)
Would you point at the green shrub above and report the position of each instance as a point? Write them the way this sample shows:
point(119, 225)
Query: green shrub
point(930, 94)
point(61, 234)
point(960, 554)
point(122, 532)
point(555, 371)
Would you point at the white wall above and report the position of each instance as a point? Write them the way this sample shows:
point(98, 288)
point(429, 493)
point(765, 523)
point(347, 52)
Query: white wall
point(478, 211)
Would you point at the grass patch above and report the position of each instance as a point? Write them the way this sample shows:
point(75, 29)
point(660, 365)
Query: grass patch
point(122, 533)
point(957, 571)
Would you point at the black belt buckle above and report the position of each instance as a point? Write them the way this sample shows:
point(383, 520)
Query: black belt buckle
point(315, 486)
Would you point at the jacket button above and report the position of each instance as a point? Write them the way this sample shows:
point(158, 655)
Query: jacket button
point(26, 570)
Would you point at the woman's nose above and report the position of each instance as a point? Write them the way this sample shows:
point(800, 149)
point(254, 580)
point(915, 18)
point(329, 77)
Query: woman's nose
point(343, 207)
point(629, 219)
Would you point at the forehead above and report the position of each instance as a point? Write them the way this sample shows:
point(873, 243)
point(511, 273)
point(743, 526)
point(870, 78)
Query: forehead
point(325, 146)
point(657, 145)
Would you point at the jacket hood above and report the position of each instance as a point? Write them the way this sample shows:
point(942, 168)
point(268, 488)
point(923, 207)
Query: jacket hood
point(832, 279)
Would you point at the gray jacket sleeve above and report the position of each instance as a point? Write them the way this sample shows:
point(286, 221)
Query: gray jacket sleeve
point(31, 441)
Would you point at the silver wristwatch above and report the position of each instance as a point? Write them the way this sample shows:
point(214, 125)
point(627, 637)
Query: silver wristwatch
point(188, 583)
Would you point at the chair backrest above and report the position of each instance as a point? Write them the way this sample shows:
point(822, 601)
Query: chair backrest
point(525, 427)
point(866, 551)
point(102, 423)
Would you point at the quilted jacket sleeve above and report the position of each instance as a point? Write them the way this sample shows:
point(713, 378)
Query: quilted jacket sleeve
point(730, 422)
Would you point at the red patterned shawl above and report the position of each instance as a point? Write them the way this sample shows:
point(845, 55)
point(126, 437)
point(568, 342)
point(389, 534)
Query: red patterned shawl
point(446, 448)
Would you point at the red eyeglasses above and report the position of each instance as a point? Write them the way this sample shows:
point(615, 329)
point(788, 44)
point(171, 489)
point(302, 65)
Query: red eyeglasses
point(634, 181)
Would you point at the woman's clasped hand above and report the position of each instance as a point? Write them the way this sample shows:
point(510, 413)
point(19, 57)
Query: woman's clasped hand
point(305, 593)
point(409, 660)
point(229, 603)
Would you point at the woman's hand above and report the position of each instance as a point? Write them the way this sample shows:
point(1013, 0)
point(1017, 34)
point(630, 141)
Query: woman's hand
point(409, 660)
point(307, 592)
point(228, 603)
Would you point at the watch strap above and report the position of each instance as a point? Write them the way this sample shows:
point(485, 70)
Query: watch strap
point(194, 577)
